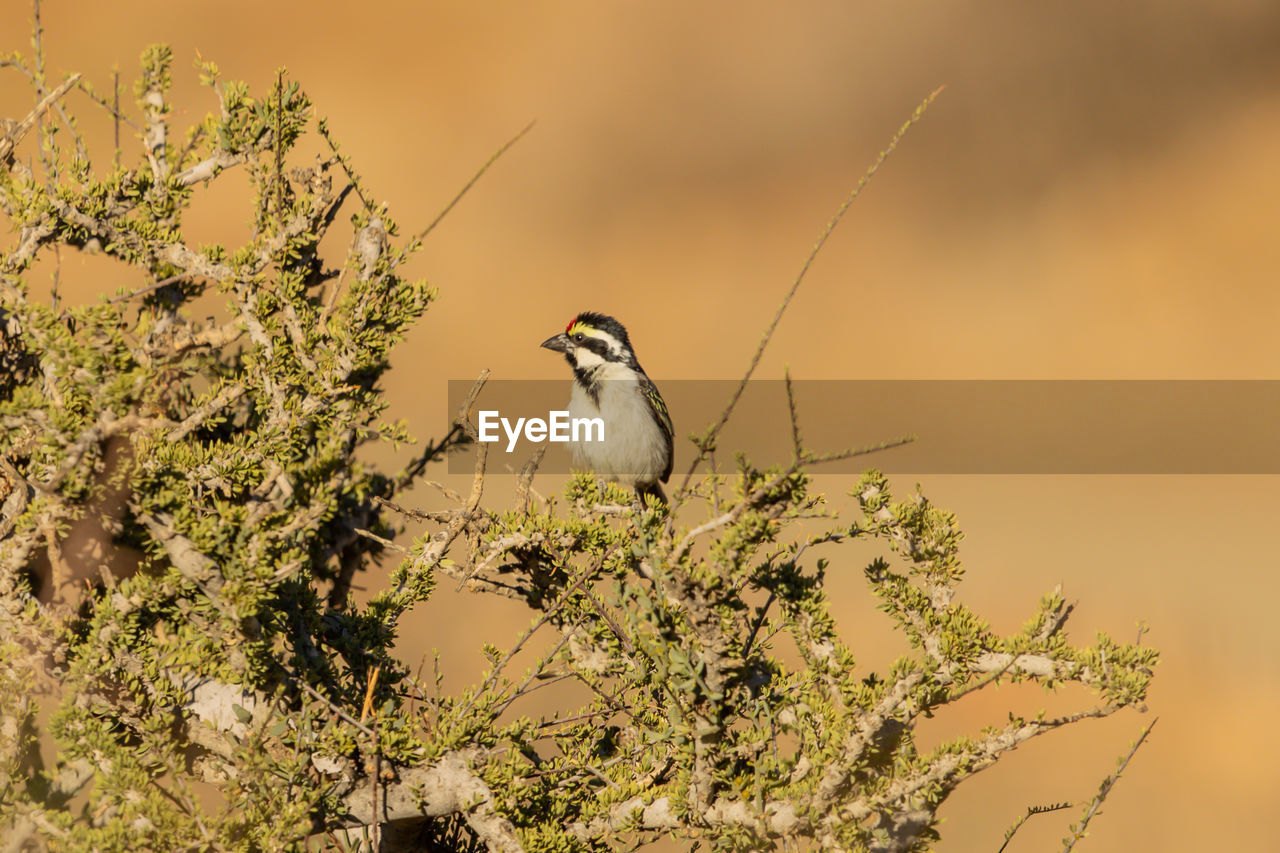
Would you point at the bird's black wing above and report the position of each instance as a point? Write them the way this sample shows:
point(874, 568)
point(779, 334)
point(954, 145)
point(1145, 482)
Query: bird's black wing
point(660, 414)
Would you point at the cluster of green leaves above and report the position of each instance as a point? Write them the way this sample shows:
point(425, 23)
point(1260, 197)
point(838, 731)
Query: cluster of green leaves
point(718, 676)
point(241, 436)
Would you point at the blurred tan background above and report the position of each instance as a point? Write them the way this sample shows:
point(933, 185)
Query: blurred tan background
point(1096, 194)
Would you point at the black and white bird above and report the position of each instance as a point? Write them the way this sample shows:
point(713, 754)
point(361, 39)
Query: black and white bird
point(608, 383)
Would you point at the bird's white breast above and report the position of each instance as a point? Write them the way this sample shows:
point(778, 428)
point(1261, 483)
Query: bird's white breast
point(634, 449)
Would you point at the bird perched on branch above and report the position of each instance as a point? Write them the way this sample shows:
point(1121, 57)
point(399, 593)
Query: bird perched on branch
point(608, 383)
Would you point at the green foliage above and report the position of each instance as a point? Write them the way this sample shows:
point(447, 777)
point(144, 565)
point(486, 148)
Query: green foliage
point(241, 479)
point(222, 453)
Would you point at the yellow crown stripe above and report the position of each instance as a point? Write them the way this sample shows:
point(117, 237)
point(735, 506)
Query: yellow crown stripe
point(584, 329)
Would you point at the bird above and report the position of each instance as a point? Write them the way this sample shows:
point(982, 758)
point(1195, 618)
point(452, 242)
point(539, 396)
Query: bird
point(638, 448)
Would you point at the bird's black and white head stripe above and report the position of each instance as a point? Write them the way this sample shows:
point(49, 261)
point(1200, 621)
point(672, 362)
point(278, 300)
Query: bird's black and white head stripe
point(602, 335)
point(594, 344)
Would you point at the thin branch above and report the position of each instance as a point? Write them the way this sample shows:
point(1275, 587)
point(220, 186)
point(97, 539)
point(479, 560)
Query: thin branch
point(115, 112)
point(385, 543)
point(37, 40)
point(9, 140)
point(416, 514)
point(547, 681)
point(333, 706)
point(279, 146)
point(37, 79)
point(576, 718)
point(762, 491)
point(627, 646)
point(547, 615)
point(854, 452)
point(599, 775)
point(112, 107)
point(197, 134)
point(57, 275)
point(444, 490)
point(524, 480)
point(1104, 790)
point(506, 146)
point(546, 659)
point(227, 395)
point(463, 416)
point(755, 628)
point(322, 127)
point(455, 437)
point(150, 288)
point(796, 445)
point(368, 710)
point(708, 442)
point(1032, 811)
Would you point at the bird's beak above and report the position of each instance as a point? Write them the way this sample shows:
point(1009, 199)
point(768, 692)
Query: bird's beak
point(559, 343)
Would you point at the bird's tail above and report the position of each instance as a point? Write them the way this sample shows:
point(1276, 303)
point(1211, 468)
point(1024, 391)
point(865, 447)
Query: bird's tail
point(654, 489)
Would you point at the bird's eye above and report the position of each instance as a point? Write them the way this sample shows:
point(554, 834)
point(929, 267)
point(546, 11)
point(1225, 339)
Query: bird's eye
point(578, 337)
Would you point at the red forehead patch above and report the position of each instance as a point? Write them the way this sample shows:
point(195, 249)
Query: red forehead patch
point(571, 324)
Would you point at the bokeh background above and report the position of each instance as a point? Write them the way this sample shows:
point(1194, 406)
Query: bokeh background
point(1096, 194)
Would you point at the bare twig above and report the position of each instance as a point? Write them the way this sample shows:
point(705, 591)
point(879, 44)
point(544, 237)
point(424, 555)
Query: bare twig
point(9, 140)
point(506, 146)
point(57, 275)
point(1032, 811)
point(547, 615)
point(1104, 790)
point(196, 135)
point(455, 437)
point(278, 144)
point(322, 127)
point(796, 446)
point(334, 707)
point(534, 672)
point(150, 288)
point(444, 490)
point(755, 627)
point(623, 640)
point(708, 441)
point(463, 416)
point(854, 452)
point(37, 37)
point(524, 481)
point(375, 778)
point(385, 543)
point(575, 718)
point(112, 106)
point(37, 78)
point(115, 112)
point(418, 514)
